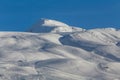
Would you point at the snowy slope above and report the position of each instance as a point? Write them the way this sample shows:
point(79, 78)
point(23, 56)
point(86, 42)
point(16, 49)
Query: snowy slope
point(65, 55)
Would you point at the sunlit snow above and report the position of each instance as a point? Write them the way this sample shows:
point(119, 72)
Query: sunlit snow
point(52, 50)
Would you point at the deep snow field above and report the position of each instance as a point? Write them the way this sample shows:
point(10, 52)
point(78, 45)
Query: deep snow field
point(52, 50)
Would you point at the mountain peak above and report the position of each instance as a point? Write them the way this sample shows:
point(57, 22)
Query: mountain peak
point(50, 22)
point(50, 26)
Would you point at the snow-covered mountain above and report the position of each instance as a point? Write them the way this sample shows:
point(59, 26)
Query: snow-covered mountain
point(53, 26)
point(52, 50)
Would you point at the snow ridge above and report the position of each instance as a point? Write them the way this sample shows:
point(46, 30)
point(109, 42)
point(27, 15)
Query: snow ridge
point(48, 22)
point(52, 26)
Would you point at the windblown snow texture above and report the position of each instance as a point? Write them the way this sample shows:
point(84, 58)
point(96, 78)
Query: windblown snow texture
point(52, 50)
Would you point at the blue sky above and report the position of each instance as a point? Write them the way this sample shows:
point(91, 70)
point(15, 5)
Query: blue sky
point(19, 15)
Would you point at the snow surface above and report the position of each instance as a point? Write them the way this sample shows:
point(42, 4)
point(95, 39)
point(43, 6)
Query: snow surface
point(68, 55)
